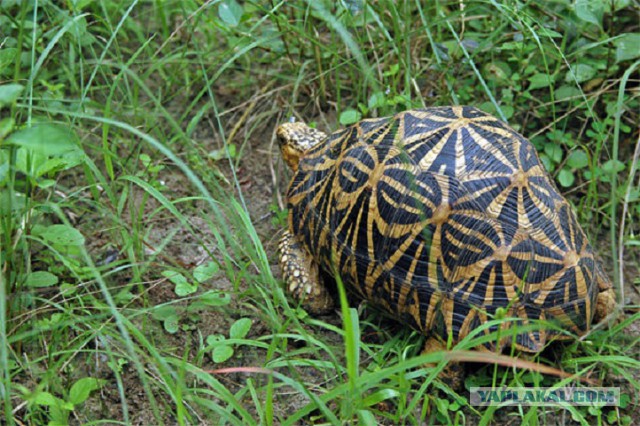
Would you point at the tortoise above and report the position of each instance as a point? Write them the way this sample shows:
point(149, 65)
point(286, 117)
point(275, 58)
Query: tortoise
point(440, 217)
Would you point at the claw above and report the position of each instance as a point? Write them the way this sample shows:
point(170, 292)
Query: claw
point(301, 276)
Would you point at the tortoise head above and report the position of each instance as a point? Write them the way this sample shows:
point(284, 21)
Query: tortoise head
point(295, 139)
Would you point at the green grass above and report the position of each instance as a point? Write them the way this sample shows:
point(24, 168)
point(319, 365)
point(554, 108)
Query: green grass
point(141, 199)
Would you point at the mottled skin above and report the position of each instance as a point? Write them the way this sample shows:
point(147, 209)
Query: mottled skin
point(439, 217)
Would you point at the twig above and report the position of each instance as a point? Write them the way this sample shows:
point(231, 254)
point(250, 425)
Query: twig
point(625, 206)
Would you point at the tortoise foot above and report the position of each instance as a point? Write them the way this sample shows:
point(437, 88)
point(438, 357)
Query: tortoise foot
point(301, 276)
point(605, 305)
point(453, 373)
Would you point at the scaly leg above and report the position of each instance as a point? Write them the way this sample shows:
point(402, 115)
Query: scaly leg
point(453, 373)
point(301, 276)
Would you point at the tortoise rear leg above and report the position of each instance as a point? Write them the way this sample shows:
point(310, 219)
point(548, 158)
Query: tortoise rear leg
point(606, 302)
point(453, 373)
point(301, 276)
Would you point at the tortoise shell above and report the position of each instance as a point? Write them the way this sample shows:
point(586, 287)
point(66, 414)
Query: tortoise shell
point(441, 217)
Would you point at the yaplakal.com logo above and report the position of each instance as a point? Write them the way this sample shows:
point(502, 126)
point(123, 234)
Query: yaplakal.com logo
point(599, 397)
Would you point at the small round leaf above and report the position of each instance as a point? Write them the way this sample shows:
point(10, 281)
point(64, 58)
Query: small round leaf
point(171, 324)
point(566, 178)
point(205, 271)
point(577, 159)
point(240, 328)
point(183, 287)
point(349, 116)
point(222, 353)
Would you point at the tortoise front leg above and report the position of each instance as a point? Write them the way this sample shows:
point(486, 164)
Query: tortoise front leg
point(301, 276)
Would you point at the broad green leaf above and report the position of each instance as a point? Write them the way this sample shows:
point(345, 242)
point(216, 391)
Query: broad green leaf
point(577, 159)
point(617, 4)
point(399, 99)
point(62, 235)
point(367, 418)
point(567, 91)
point(553, 151)
point(169, 317)
point(210, 299)
point(39, 279)
point(590, 11)
point(117, 364)
point(9, 93)
point(78, 5)
point(349, 116)
point(507, 110)
point(625, 398)
point(376, 100)
point(219, 154)
point(214, 338)
point(6, 126)
point(78, 30)
point(67, 289)
point(393, 70)
point(46, 139)
point(546, 162)
point(7, 59)
point(613, 166)
point(512, 45)
point(581, 72)
point(45, 399)
point(549, 33)
point(538, 81)
point(50, 322)
point(488, 107)
point(627, 47)
point(230, 12)
point(566, 178)
point(634, 194)
point(222, 353)
point(172, 324)
point(28, 161)
point(57, 164)
point(81, 389)
point(497, 71)
point(161, 313)
point(46, 183)
point(183, 287)
point(4, 171)
point(240, 328)
point(379, 396)
point(205, 271)
point(442, 405)
point(59, 415)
